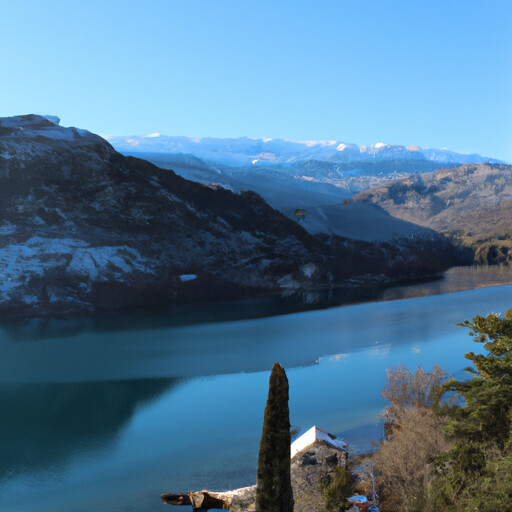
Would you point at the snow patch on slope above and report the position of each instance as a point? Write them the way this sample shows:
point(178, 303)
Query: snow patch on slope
point(20, 262)
point(94, 262)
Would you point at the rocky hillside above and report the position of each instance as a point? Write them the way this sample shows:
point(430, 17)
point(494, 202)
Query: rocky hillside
point(472, 204)
point(83, 228)
point(321, 195)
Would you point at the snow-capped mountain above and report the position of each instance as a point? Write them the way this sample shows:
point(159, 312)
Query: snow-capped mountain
point(246, 151)
point(316, 176)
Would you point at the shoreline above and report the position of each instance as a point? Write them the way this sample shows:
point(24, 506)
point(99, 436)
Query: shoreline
point(270, 305)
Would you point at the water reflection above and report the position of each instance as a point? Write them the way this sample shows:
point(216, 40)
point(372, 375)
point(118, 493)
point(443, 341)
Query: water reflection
point(43, 426)
point(455, 279)
point(225, 347)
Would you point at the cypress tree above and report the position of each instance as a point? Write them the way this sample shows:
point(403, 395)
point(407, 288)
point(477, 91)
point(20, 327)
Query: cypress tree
point(273, 482)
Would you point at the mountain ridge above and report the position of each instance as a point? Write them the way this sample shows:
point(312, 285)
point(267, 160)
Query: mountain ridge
point(85, 229)
point(319, 176)
point(248, 150)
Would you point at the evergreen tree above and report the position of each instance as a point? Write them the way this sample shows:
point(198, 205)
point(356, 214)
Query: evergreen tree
point(475, 473)
point(273, 482)
point(484, 415)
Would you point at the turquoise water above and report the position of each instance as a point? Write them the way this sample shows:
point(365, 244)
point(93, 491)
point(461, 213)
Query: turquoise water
point(106, 417)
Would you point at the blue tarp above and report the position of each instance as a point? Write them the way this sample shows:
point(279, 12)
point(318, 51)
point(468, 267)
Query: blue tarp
point(358, 499)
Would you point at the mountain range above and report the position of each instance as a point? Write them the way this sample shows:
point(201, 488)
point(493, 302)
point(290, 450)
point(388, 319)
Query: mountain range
point(259, 151)
point(319, 177)
point(84, 228)
point(465, 197)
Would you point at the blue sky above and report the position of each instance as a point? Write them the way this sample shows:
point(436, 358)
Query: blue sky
point(434, 73)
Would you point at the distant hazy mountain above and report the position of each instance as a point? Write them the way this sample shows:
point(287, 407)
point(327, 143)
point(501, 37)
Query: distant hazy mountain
point(84, 228)
point(245, 150)
point(472, 204)
point(316, 176)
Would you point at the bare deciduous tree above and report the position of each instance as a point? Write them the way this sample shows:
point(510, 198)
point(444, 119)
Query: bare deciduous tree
point(403, 464)
point(406, 390)
point(414, 438)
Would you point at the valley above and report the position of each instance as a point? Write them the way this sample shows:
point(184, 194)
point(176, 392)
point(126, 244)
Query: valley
point(195, 192)
point(357, 192)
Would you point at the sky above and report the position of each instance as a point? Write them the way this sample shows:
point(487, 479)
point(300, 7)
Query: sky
point(434, 73)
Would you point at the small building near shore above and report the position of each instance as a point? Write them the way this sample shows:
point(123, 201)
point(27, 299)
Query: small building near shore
point(314, 455)
point(316, 435)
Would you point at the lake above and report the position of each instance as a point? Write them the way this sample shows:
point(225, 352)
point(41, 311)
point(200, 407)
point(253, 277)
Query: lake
point(105, 414)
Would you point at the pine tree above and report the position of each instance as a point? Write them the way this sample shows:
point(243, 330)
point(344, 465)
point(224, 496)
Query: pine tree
point(475, 473)
point(485, 415)
point(273, 482)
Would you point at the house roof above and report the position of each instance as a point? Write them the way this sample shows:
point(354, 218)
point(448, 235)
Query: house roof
point(313, 435)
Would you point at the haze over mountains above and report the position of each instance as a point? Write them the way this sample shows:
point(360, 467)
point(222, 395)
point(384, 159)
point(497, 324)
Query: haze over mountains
point(84, 228)
point(316, 178)
point(246, 150)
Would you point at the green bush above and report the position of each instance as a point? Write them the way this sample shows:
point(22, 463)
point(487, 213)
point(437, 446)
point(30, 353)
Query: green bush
point(336, 488)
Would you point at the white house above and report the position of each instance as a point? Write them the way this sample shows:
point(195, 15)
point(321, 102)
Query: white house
point(313, 435)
